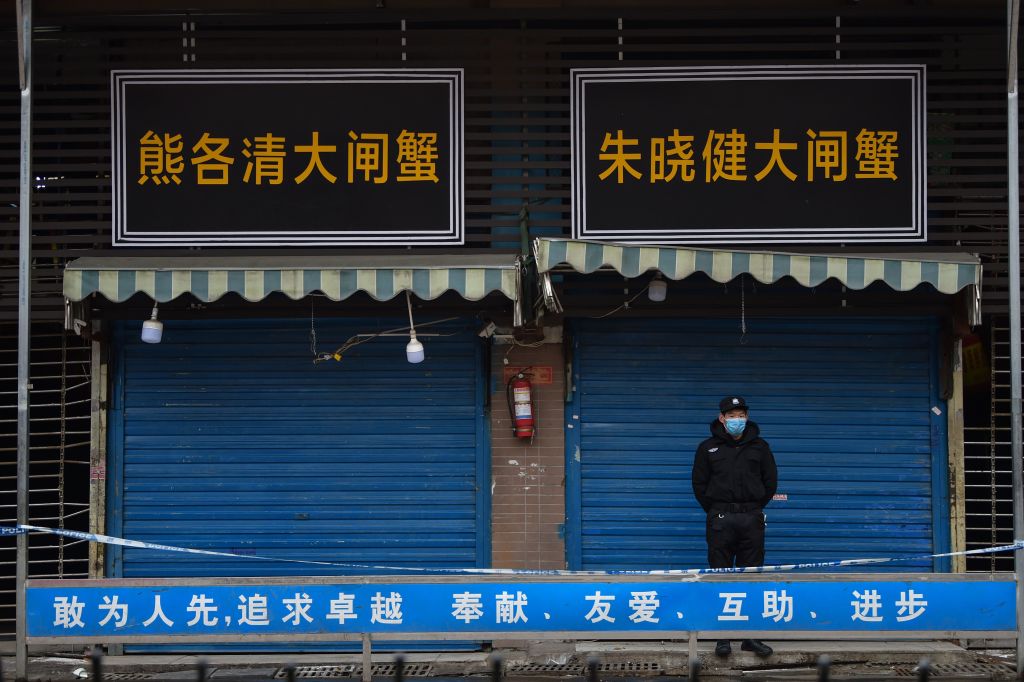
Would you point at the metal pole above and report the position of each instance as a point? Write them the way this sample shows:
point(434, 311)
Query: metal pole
point(24, 317)
point(1013, 226)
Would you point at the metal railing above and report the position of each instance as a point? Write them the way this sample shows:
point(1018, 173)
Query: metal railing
point(498, 670)
point(988, 461)
point(59, 454)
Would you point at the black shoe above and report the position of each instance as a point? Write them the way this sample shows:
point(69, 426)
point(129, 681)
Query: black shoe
point(723, 648)
point(759, 648)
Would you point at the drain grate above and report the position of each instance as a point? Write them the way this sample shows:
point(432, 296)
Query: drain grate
point(986, 670)
point(954, 669)
point(313, 672)
point(542, 668)
point(961, 669)
point(127, 676)
point(630, 667)
point(388, 670)
point(322, 672)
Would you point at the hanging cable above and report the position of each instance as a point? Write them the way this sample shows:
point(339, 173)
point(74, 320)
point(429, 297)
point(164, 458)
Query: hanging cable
point(625, 305)
point(743, 311)
point(519, 344)
point(408, 300)
point(359, 339)
point(312, 331)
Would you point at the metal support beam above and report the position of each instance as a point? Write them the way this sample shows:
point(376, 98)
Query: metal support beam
point(24, 8)
point(1013, 222)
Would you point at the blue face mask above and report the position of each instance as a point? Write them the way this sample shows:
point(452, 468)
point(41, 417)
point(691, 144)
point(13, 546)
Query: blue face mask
point(735, 426)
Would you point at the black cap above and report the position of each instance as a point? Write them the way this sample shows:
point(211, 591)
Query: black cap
point(732, 402)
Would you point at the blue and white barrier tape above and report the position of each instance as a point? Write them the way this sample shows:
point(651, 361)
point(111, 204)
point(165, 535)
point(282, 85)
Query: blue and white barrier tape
point(122, 542)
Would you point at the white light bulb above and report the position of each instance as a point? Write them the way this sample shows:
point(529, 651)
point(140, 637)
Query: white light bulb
point(414, 350)
point(657, 289)
point(152, 331)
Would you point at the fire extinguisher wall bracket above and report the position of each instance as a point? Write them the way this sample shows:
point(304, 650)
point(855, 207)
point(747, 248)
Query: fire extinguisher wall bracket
point(519, 394)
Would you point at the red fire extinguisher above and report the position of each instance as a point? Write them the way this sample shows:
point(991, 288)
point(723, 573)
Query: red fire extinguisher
point(520, 405)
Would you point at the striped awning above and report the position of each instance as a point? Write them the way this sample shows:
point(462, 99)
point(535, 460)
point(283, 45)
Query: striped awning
point(948, 273)
point(208, 279)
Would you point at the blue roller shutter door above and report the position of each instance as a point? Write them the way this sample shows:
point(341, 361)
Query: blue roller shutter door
point(227, 437)
point(847, 406)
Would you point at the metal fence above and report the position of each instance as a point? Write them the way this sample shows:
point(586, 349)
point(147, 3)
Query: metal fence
point(59, 457)
point(498, 671)
point(987, 457)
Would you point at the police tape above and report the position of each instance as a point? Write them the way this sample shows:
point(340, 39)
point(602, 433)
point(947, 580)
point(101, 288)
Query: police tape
point(138, 544)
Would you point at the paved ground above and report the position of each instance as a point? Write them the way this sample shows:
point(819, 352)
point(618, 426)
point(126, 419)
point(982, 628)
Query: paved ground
point(619, 662)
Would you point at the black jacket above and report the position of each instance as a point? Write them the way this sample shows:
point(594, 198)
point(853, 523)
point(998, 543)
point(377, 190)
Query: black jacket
point(727, 470)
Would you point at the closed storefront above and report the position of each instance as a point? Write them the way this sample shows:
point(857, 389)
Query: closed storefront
point(851, 408)
point(227, 437)
point(332, 445)
point(851, 382)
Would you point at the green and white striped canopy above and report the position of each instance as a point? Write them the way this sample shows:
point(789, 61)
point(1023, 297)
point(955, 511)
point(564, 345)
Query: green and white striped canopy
point(948, 273)
point(208, 279)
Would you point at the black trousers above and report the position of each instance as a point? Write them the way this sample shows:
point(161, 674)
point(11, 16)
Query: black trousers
point(735, 539)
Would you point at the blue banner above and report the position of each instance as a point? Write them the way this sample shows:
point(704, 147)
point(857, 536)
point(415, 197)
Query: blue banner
point(67, 609)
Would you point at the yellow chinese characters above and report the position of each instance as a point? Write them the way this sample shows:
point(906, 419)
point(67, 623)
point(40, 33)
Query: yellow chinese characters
point(877, 154)
point(160, 158)
point(369, 158)
point(826, 151)
point(211, 166)
point(619, 157)
point(678, 158)
point(368, 153)
point(417, 156)
point(726, 155)
point(266, 158)
point(315, 149)
point(775, 147)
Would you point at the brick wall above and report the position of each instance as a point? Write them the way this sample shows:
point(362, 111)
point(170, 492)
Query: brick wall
point(528, 500)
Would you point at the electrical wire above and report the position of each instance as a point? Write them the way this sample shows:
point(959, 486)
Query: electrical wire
point(515, 343)
point(359, 339)
point(743, 312)
point(624, 305)
point(312, 331)
point(408, 301)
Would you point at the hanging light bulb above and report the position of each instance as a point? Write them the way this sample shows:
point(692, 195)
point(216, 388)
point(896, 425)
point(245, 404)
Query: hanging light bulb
point(657, 289)
point(152, 329)
point(414, 349)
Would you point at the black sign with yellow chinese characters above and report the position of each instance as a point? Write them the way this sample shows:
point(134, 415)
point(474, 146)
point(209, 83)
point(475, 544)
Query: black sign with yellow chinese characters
point(781, 154)
point(323, 157)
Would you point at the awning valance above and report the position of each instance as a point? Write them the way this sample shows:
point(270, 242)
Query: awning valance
point(948, 273)
point(209, 278)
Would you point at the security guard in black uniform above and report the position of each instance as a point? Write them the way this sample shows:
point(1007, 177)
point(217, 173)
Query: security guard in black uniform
point(734, 477)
